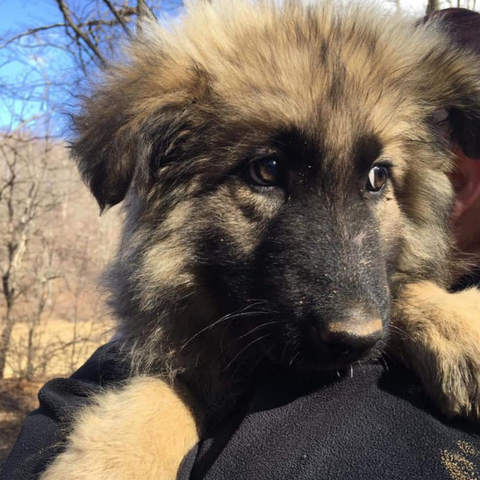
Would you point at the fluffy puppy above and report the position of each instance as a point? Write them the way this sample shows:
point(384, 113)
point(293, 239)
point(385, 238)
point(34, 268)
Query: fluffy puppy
point(284, 171)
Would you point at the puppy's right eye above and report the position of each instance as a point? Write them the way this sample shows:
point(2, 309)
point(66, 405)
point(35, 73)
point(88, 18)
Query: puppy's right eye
point(265, 171)
point(377, 178)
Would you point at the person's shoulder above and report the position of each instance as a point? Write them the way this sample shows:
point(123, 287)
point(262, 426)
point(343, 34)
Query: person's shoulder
point(373, 423)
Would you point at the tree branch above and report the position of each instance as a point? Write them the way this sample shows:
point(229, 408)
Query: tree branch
point(31, 31)
point(120, 20)
point(68, 18)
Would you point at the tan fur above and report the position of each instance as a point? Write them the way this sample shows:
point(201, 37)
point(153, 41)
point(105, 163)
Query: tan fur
point(161, 431)
point(439, 337)
point(357, 328)
point(168, 261)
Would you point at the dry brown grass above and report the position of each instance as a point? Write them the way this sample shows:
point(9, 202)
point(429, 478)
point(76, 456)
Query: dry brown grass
point(61, 346)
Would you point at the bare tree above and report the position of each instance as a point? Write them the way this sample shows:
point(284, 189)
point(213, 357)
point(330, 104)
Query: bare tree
point(43, 276)
point(86, 31)
point(25, 196)
point(90, 29)
point(50, 224)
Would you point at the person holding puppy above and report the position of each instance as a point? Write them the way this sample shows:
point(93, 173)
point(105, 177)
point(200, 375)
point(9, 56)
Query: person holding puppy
point(376, 423)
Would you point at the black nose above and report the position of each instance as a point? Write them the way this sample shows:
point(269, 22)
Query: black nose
point(354, 335)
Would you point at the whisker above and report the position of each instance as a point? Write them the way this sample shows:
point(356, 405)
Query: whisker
point(401, 331)
point(387, 356)
point(236, 339)
point(244, 348)
point(259, 327)
point(382, 360)
point(294, 358)
point(229, 316)
point(284, 351)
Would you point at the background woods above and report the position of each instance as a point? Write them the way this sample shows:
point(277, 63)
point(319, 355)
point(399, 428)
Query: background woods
point(53, 244)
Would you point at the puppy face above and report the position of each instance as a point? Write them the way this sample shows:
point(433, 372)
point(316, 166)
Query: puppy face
point(284, 170)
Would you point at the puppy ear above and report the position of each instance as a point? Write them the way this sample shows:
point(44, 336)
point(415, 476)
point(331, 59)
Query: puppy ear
point(460, 129)
point(456, 94)
point(465, 130)
point(105, 150)
point(454, 68)
point(122, 140)
point(134, 119)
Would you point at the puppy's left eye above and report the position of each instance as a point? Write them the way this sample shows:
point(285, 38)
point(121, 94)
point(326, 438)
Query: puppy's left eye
point(265, 171)
point(377, 178)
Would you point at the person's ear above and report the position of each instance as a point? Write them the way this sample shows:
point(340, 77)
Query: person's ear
point(466, 182)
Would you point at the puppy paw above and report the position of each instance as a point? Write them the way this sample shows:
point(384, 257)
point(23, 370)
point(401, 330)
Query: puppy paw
point(437, 333)
point(451, 376)
point(141, 432)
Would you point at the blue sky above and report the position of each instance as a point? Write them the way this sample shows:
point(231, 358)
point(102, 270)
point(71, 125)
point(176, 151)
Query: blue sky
point(17, 16)
point(25, 13)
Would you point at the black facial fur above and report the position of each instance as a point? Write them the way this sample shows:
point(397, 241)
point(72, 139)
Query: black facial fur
point(316, 261)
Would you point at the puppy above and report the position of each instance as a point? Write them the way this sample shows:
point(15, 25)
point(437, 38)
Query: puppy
point(284, 170)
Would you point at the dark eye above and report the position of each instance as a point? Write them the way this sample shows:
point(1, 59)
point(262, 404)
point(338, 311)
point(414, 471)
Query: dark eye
point(265, 171)
point(377, 178)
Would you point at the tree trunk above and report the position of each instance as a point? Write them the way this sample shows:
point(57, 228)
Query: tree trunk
point(432, 6)
point(5, 339)
point(30, 371)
